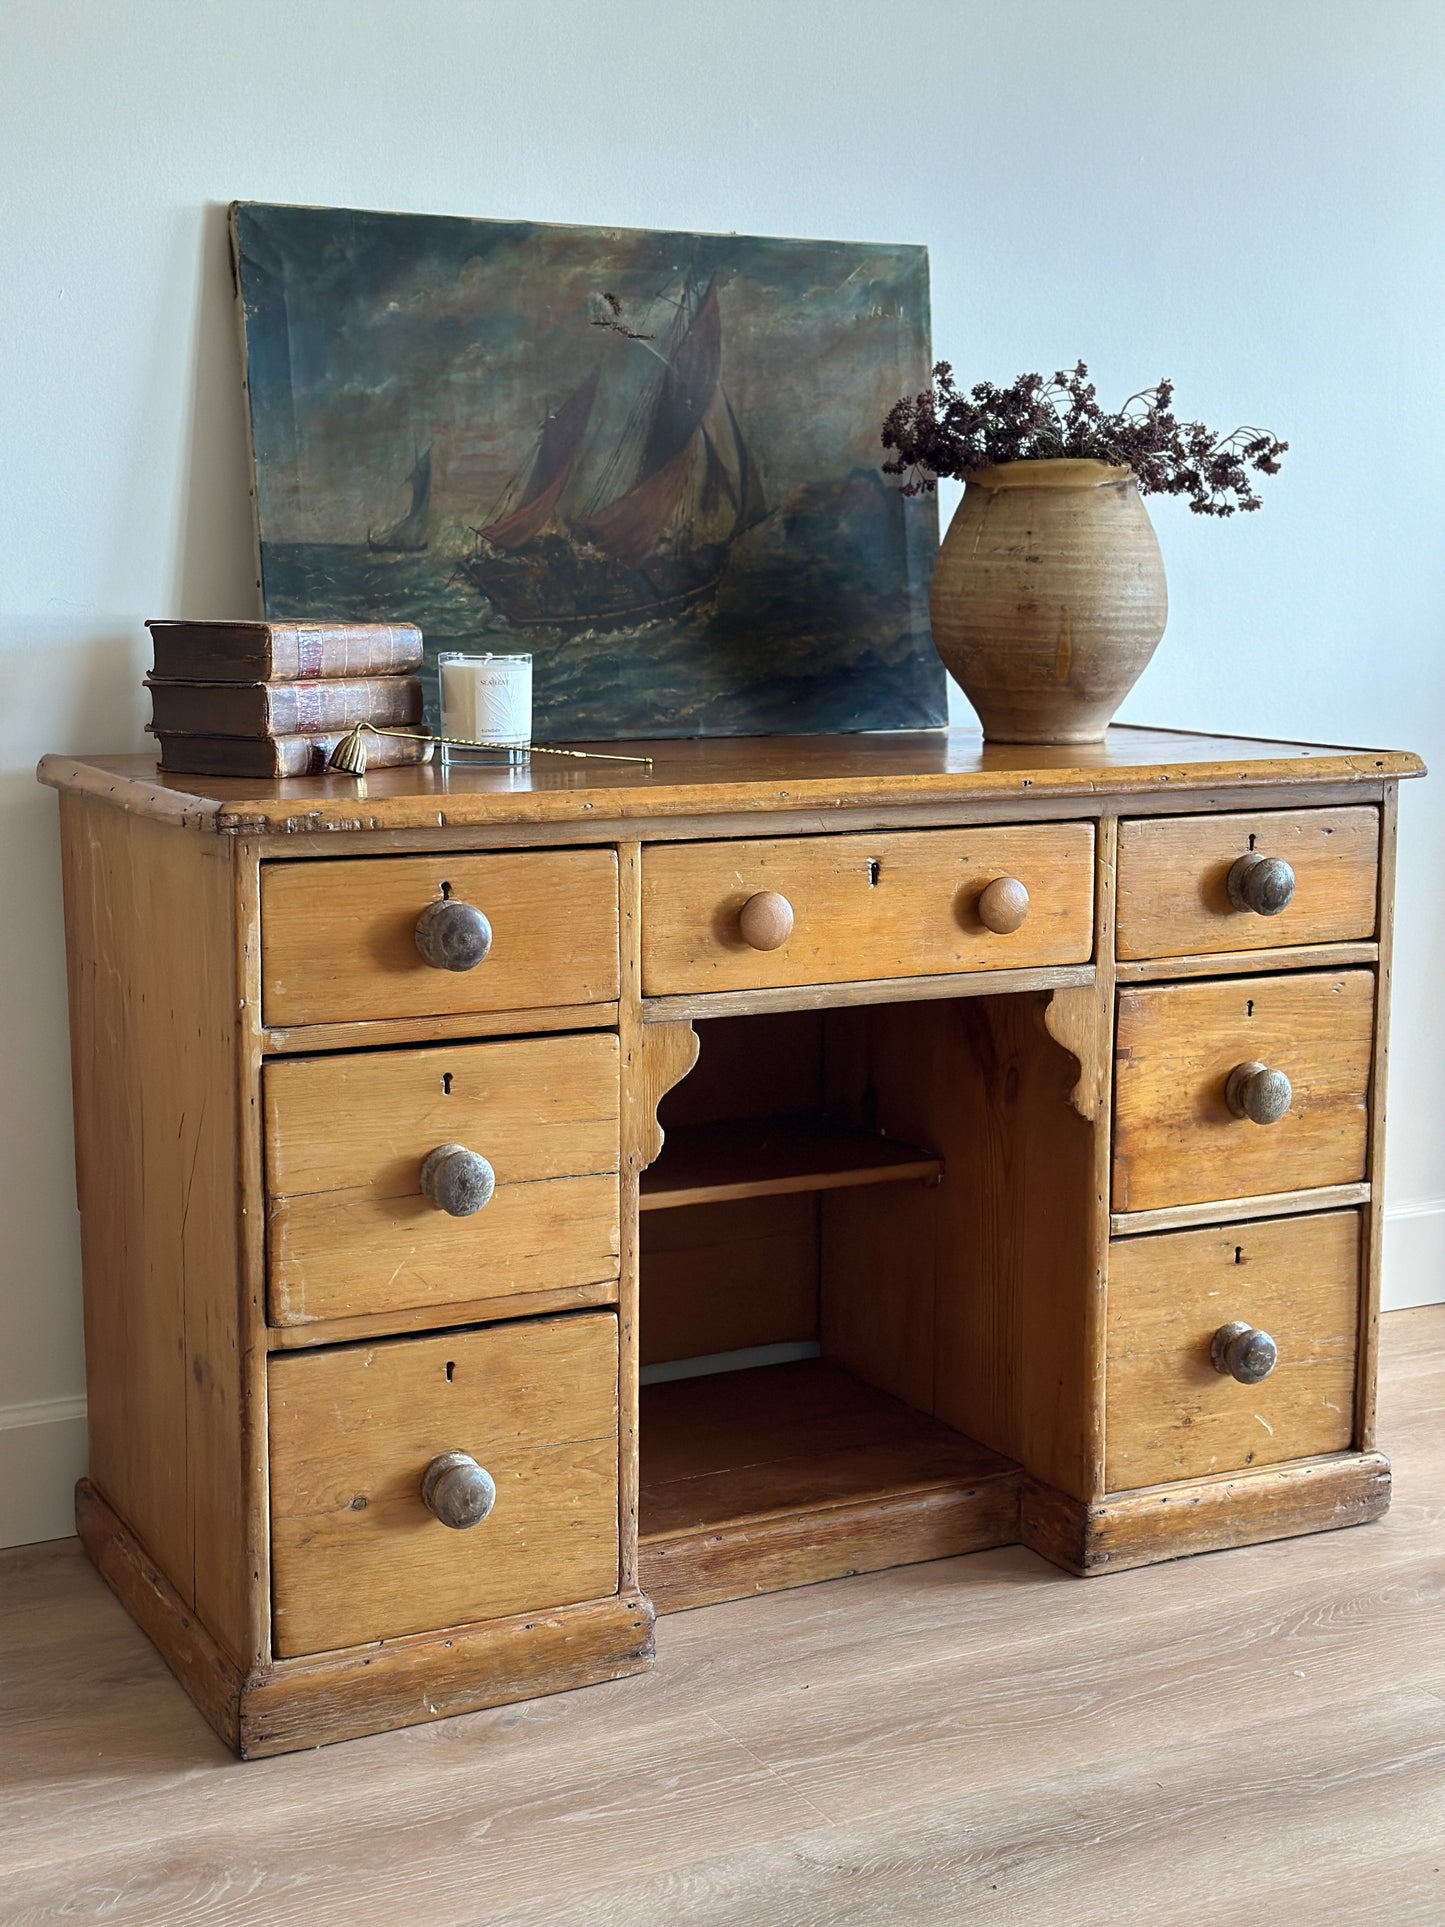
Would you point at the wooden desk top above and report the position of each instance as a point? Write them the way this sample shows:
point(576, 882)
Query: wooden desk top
point(710, 776)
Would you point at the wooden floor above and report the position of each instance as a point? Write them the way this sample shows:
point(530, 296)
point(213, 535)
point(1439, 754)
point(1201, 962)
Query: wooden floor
point(1257, 1736)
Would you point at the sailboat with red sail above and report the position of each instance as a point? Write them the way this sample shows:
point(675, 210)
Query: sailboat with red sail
point(593, 537)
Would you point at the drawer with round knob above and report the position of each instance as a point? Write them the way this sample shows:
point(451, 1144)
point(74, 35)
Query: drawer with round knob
point(394, 937)
point(430, 1482)
point(1230, 1348)
point(451, 1175)
point(778, 912)
point(1195, 885)
point(1241, 1088)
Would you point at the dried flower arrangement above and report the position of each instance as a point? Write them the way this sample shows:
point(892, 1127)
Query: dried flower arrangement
point(944, 433)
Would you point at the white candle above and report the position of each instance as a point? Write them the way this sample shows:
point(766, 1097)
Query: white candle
point(487, 699)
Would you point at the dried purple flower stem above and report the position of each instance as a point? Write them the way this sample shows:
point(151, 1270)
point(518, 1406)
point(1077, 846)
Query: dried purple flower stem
point(942, 432)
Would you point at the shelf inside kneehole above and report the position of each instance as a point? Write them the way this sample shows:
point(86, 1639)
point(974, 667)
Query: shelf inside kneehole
point(738, 1158)
point(757, 1479)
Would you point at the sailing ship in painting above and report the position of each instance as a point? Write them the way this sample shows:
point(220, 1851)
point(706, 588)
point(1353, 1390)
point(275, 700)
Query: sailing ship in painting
point(648, 459)
point(411, 534)
point(596, 537)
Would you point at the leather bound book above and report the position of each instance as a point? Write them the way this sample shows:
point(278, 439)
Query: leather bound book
point(282, 708)
point(283, 651)
point(278, 755)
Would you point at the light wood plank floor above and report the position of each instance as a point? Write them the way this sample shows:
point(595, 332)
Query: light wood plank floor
point(1257, 1736)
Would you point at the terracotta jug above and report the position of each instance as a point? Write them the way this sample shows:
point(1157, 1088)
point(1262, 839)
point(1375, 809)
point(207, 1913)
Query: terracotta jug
point(1048, 598)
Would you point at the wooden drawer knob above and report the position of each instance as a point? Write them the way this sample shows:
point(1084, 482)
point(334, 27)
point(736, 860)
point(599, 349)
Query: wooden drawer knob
point(1263, 884)
point(452, 935)
point(1258, 1093)
point(1239, 1351)
point(1003, 905)
point(457, 1181)
point(458, 1491)
point(765, 921)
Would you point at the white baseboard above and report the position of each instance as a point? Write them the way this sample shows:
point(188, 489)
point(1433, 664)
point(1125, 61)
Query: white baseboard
point(1414, 1262)
point(42, 1454)
point(42, 1446)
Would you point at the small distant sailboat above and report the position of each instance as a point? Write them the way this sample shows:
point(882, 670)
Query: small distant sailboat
point(411, 534)
point(651, 533)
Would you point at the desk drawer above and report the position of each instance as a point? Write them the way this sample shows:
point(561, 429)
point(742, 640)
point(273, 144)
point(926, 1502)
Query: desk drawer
point(1175, 871)
point(339, 939)
point(350, 1229)
point(863, 907)
point(356, 1554)
point(1171, 1414)
point(1176, 1138)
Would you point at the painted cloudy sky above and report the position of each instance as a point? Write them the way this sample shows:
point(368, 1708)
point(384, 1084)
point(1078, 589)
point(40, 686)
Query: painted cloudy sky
point(371, 336)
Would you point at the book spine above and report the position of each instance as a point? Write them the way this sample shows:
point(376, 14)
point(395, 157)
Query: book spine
point(303, 708)
point(302, 650)
point(274, 756)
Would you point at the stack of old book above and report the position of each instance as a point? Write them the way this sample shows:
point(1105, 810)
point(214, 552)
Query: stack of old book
point(275, 698)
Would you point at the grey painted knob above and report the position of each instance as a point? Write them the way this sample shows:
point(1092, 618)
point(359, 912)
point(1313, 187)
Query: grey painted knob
point(457, 1181)
point(1239, 1351)
point(1258, 1093)
point(1264, 884)
point(458, 1491)
point(452, 935)
point(1003, 905)
point(765, 921)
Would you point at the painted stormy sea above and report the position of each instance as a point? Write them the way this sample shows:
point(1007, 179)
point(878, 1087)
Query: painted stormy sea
point(651, 460)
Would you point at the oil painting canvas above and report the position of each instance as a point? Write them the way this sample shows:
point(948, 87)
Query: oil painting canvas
point(649, 459)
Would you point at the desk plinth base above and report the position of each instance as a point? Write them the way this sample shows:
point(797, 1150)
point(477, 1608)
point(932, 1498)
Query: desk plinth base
point(301, 1703)
point(1155, 1523)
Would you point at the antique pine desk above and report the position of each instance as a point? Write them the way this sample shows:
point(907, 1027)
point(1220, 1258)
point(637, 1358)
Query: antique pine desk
point(1022, 1115)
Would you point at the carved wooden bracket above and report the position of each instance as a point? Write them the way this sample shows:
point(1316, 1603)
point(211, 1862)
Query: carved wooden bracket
point(663, 1056)
point(1072, 1018)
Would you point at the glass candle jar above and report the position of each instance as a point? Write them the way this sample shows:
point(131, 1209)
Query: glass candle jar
point(486, 699)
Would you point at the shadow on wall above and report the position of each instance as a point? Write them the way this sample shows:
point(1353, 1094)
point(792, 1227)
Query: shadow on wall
point(216, 573)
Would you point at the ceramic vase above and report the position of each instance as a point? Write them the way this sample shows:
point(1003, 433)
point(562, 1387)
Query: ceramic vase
point(1048, 598)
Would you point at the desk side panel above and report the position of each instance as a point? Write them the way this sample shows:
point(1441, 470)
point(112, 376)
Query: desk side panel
point(153, 1001)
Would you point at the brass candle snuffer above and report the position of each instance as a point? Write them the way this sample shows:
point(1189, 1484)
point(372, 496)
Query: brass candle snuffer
point(349, 755)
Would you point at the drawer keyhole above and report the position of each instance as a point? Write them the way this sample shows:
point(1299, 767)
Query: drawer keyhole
point(451, 1370)
point(874, 866)
point(446, 1083)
